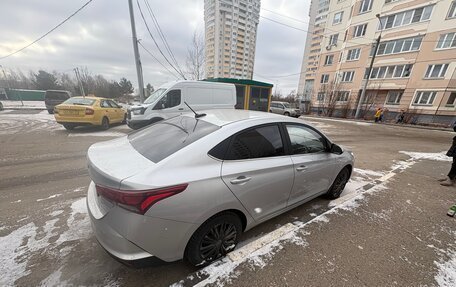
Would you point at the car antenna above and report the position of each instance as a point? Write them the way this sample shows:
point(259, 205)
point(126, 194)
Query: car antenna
point(196, 114)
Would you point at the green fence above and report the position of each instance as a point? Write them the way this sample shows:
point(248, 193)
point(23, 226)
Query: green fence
point(25, 95)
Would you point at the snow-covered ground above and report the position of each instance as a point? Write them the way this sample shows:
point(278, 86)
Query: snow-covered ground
point(24, 104)
point(260, 252)
point(17, 247)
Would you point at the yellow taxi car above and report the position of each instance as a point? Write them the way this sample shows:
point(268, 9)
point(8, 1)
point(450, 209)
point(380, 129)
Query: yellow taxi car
point(84, 111)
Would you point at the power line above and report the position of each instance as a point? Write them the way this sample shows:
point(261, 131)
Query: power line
point(155, 58)
point(47, 33)
point(162, 35)
point(155, 42)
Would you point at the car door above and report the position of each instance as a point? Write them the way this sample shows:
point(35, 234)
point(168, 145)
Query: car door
point(117, 112)
point(107, 110)
point(314, 166)
point(258, 171)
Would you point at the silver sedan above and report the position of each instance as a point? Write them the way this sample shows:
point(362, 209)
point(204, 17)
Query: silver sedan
point(187, 187)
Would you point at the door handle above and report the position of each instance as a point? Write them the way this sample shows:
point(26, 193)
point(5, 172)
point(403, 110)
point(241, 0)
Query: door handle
point(181, 109)
point(240, 180)
point(301, 168)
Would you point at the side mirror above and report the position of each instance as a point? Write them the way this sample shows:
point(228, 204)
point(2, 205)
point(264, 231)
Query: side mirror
point(336, 149)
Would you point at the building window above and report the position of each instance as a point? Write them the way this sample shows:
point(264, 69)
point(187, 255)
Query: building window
point(447, 41)
point(405, 18)
point(342, 96)
point(388, 72)
point(424, 98)
point(359, 31)
point(353, 54)
point(394, 97)
point(338, 17)
point(451, 100)
point(399, 46)
point(452, 11)
point(324, 78)
point(366, 5)
point(347, 76)
point(436, 71)
point(321, 97)
point(329, 60)
point(333, 39)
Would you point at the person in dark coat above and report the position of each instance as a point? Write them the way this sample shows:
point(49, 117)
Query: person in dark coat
point(451, 178)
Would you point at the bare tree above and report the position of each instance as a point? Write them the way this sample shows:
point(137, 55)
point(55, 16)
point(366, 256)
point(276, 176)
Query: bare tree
point(195, 57)
point(327, 97)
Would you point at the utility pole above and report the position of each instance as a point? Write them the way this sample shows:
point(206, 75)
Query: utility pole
point(369, 70)
point(136, 50)
point(78, 78)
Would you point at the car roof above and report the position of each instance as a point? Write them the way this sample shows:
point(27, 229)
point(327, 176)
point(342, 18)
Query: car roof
point(222, 117)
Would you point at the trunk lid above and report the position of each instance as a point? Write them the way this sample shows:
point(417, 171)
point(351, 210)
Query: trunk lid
point(112, 161)
point(72, 110)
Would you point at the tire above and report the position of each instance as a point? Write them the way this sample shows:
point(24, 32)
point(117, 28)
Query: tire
point(1, 106)
point(287, 114)
point(124, 121)
point(69, 127)
point(339, 184)
point(105, 123)
point(199, 252)
point(50, 111)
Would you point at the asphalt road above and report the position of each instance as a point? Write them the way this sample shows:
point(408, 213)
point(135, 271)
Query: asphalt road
point(45, 235)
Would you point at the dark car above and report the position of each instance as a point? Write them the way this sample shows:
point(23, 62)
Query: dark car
point(53, 98)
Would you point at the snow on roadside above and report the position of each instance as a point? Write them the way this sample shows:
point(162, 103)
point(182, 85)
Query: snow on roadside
point(50, 197)
point(225, 270)
point(20, 245)
point(446, 276)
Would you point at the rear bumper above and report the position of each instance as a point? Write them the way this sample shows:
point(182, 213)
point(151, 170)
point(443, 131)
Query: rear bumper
point(77, 120)
point(129, 236)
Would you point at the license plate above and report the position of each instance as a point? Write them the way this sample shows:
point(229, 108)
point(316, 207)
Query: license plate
point(71, 113)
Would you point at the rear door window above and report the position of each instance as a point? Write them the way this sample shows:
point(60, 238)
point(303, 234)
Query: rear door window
point(260, 142)
point(164, 138)
point(114, 104)
point(104, 104)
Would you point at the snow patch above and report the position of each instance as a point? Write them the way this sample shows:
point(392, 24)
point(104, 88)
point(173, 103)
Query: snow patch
point(52, 196)
point(446, 276)
point(17, 247)
point(438, 156)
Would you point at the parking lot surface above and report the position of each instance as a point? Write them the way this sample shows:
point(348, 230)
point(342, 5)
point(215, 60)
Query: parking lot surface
point(388, 228)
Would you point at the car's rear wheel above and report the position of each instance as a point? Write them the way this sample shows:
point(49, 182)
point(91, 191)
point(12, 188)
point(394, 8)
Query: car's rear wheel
point(286, 114)
point(69, 127)
point(338, 184)
point(214, 239)
point(105, 123)
point(124, 121)
point(50, 111)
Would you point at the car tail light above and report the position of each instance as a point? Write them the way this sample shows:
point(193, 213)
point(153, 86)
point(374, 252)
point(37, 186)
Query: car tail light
point(139, 201)
point(89, 111)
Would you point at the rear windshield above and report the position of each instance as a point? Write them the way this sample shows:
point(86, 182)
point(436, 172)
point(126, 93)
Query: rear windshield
point(79, 101)
point(167, 137)
point(54, 95)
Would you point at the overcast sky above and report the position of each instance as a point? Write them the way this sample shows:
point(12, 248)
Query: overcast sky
point(99, 37)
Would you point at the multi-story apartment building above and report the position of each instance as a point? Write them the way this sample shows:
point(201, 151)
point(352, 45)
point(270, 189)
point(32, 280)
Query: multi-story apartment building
point(318, 14)
point(415, 65)
point(230, 37)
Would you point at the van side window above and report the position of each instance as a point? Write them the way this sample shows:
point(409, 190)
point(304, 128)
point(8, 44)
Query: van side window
point(171, 99)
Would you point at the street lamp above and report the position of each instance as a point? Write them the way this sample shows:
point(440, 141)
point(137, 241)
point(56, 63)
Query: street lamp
point(363, 92)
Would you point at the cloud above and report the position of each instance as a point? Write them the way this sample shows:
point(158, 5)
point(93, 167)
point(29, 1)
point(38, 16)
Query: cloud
point(99, 37)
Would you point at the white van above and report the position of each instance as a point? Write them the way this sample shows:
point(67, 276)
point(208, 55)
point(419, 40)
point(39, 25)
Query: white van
point(168, 101)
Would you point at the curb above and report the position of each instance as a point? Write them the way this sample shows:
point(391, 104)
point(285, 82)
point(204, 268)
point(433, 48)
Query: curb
point(388, 124)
